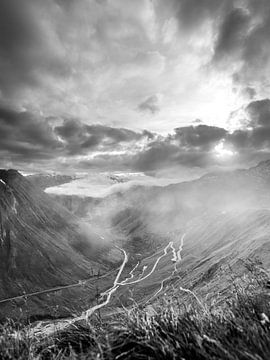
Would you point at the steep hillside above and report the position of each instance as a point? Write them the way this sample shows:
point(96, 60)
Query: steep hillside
point(42, 245)
point(215, 250)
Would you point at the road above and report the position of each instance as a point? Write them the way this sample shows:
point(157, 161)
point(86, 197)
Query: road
point(107, 295)
point(109, 292)
point(176, 259)
point(82, 282)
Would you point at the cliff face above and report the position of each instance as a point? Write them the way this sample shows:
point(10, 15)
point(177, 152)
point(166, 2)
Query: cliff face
point(41, 243)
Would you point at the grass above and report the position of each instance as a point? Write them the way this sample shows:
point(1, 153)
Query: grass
point(239, 329)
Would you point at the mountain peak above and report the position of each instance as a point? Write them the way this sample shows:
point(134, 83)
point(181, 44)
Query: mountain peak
point(265, 163)
point(9, 175)
point(263, 167)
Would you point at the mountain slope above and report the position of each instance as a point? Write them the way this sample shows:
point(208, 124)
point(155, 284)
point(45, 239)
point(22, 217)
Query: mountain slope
point(42, 245)
point(226, 218)
point(165, 209)
point(144, 217)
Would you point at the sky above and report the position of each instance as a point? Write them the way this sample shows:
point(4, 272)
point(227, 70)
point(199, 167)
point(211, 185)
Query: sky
point(149, 86)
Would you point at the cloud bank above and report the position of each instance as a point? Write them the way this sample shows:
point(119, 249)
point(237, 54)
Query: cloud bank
point(81, 80)
point(37, 142)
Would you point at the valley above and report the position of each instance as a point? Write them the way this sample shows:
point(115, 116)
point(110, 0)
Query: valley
point(138, 246)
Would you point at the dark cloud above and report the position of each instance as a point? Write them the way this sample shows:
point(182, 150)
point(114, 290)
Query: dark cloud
point(80, 138)
point(256, 50)
point(65, 3)
point(25, 48)
point(244, 37)
point(239, 139)
point(194, 146)
point(26, 136)
point(151, 104)
point(191, 13)
point(251, 140)
point(189, 146)
point(200, 136)
point(249, 92)
point(29, 137)
point(232, 32)
point(158, 155)
point(256, 137)
point(259, 113)
point(115, 135)
point(165, 155)
point(261, 138)
point(164, 152)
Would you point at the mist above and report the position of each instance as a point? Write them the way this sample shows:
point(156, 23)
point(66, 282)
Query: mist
point(132, 209)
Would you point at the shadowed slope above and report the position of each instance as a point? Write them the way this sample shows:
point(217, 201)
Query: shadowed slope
point(42, 245)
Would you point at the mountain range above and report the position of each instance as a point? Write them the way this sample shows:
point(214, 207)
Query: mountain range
point(49, 241)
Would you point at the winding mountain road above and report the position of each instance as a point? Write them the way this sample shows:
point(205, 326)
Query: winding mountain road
point(128, 280)
point(176, 259)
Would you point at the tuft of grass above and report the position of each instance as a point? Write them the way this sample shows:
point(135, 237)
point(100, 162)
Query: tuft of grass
point(237, 330)
point(15, 342)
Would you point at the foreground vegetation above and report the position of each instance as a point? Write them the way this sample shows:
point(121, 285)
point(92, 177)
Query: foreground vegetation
point(239, 329)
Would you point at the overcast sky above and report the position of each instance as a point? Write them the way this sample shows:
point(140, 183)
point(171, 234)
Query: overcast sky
point(136, 85)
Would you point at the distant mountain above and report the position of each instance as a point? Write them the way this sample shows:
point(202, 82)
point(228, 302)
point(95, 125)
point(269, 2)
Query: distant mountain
point(48, 180)
point(175, 204)
point(101, 184)
point(42, 245)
